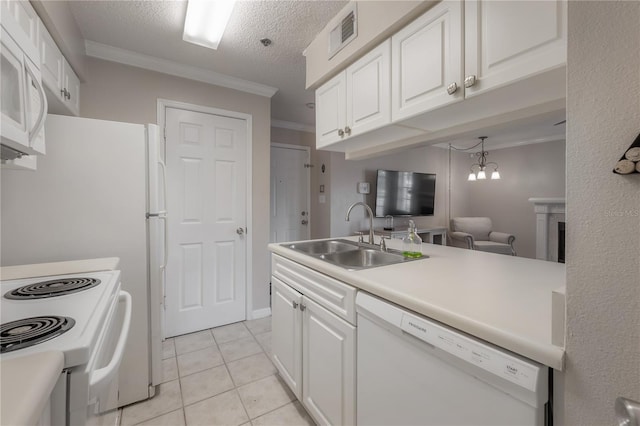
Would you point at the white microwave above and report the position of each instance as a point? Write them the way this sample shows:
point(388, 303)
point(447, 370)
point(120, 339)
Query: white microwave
point(23, 103)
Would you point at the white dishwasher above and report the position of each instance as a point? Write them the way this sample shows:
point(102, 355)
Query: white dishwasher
point(416, 371)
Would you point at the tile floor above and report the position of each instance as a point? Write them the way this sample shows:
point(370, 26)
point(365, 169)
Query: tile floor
point(221, 376)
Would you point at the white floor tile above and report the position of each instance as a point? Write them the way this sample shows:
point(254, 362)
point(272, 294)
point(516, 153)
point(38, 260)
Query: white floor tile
point(224, 409)
point(230, 332)
point(205, 384)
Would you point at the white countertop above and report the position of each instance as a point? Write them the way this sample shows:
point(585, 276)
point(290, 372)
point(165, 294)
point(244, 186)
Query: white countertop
point(502, 299)
point(27, 383)
point(58, 268)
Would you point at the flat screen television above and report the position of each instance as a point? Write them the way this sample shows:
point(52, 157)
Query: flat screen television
point(405, 193)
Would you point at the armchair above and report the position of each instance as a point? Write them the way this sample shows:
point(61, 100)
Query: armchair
point(475, 233)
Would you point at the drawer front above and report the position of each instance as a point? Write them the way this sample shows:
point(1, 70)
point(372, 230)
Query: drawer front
point(330, 293)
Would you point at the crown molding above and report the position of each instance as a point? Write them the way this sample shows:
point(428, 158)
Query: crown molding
point(293, 126)
point(139, 60)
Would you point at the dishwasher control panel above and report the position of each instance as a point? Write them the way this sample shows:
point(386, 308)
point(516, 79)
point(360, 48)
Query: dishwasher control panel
point(496, 361)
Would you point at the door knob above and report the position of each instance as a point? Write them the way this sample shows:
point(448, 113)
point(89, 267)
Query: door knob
point(304, 221)
point(627, 412)
point(240, 231)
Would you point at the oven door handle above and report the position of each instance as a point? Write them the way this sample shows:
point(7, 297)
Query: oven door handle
point(102, 375)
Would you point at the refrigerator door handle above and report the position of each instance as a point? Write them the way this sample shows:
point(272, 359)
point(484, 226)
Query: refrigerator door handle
point(163, 166)
point(163, 217)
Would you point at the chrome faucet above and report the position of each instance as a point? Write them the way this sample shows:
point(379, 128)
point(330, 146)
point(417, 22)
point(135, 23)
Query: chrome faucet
point(370, 213)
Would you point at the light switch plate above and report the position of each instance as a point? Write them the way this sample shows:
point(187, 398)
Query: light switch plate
point(363, 187)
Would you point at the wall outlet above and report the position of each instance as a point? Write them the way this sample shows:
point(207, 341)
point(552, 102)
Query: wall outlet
point(363, 187)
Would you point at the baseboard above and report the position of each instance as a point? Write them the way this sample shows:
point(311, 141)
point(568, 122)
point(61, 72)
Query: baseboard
point(260, 313)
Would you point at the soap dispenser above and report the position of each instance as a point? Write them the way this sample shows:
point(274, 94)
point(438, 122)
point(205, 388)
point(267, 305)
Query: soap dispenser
point(412, 243)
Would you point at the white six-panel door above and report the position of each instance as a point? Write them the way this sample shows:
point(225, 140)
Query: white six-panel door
point(206, 203)
point(289, 194)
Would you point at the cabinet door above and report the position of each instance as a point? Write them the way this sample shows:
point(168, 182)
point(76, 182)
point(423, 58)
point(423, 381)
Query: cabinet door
point(426, 60)
point(21, 21)
point(52, 63)
point(328, 359)
point(331, 111)
point(72, 84)
point(506, 41)
point(14, 125)
point(286, 337)
point(369, 91)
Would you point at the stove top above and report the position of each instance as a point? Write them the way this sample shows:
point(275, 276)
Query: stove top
point(86, 309)
point(52, 288)
point(27, 332)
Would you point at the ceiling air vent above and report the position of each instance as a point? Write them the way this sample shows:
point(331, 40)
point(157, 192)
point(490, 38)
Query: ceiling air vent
point(343, 33)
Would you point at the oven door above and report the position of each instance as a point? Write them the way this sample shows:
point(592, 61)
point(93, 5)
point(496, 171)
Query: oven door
point(103, 375)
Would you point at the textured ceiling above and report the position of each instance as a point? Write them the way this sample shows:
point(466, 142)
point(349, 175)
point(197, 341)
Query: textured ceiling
point(155, 28)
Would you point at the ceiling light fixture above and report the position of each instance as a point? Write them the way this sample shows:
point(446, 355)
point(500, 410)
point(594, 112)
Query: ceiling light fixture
point(482, 165)
point(206, 21)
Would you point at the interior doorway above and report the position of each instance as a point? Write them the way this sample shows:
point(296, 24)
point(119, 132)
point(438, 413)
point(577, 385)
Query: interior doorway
point(208, 177)
point(290, 177)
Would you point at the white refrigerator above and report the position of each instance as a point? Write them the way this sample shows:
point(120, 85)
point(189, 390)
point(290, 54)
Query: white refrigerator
point(98, 192)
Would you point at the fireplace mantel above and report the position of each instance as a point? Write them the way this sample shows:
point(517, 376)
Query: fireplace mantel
point(544, 208)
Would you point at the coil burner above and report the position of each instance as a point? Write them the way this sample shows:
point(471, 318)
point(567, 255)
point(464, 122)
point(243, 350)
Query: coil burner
point(27, 332)
point(52, 288)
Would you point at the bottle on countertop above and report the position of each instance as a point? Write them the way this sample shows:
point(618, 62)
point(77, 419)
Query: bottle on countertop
point(388, 223)
point(412, 243)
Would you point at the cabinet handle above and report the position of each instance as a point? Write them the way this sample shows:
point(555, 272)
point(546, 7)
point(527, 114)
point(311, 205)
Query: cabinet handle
point(340, 132)
point(303, 307)
point(452, 88)
point(68, 95)
point(470, 81)
point(63, 93)
point(295, 305)
point(347, 130)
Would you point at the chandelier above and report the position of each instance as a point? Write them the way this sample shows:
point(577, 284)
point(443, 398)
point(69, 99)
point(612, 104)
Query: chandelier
point(482, 164)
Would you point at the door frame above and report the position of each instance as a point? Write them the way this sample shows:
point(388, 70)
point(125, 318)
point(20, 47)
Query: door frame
point(308, 151)
point(162, 105)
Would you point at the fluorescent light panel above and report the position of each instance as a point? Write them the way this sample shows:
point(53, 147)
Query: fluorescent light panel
point(206, 21)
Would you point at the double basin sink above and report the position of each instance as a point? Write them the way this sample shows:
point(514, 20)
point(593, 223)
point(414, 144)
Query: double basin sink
point(349, 254)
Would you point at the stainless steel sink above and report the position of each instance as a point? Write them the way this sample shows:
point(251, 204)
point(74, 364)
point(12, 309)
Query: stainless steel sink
point(365, 258)
point(324, 247)
point(349, 254)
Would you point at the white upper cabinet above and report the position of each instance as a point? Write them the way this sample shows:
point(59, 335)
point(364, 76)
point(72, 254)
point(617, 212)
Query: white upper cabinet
point(369, 91)
point(506, 41)
point(512, 53)
point(426, 64)
point(21, 21)
point(72, 85)
point(356, 100)
point(331, 110)
point(52, 60)
point(61, 82)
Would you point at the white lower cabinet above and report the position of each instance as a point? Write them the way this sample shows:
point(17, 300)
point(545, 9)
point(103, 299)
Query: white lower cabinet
point(328, 366)
point(314, 350)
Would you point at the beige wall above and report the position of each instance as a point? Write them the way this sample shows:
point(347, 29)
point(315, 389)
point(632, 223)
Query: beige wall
point(536, 170)
point(123, 93)
point(345, 174)
point(319, 214)
point(603, 234)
